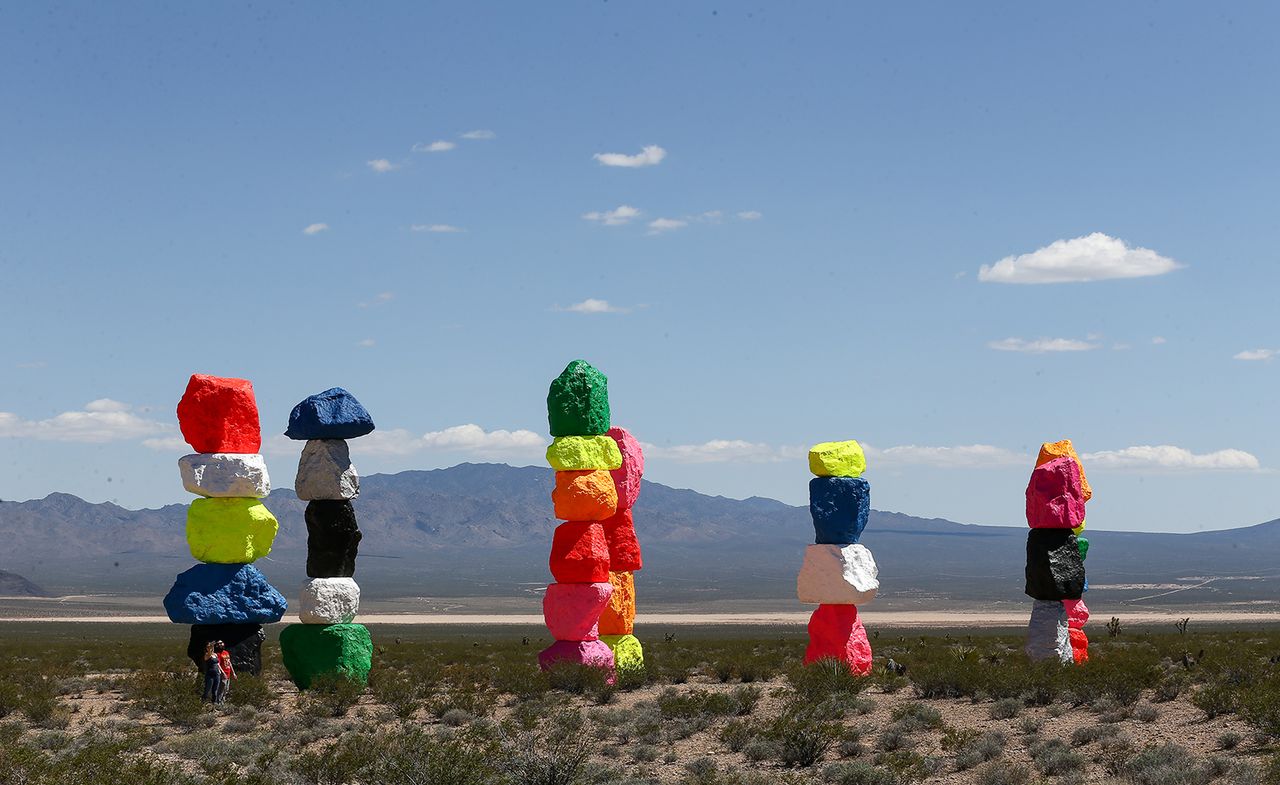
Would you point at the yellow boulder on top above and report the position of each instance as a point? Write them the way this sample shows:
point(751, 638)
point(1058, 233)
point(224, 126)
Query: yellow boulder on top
point(1053, 450)
point(837, 459)
point(584, 453)
point(230, 530)
point(627, 652)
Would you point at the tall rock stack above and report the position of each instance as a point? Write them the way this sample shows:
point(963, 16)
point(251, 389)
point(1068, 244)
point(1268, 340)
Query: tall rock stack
point(1056, 497)
point(838, 573)
point(585, 454)
point(225, 597)
point(327, 641)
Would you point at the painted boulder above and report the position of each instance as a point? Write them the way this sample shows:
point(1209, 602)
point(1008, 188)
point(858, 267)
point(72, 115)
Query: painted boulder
point(619, 616)
point(1054, 571)
point(572, 610)
point(594, 654)
point(628, 654)
point(579, 553)
point(1051, 451)
point(244, 641)
point(626, 478)
point(584, 496)
point(225, 475)
point(1077, 613)
point(624, 548)
point(1048, 637)
point(1054, 496)
point(578, 401)
point(325, 471)
point(312, 650)
point(836, 632)
point(332, 414)
point(584, 453)
point(840, 507)
point(837, 459)
point(333, 539)
point(224, 594)
point(230, 531)
point(220, 415)
point(328, 601)
point(835, 575)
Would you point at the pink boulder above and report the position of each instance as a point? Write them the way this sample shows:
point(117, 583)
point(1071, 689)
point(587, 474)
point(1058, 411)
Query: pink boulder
point(594, 654)
point(1077, 613)
point(624, 548)
point(572, 610)
point(626, 478)
point(1055, 497)
point(579, 553)
point(836, 632)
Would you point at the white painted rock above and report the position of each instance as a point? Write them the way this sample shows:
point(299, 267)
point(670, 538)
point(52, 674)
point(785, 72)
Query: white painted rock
point(1048, 635)
point(329, 601)
point(325, 471)
point(225, 475)
point(837, 575)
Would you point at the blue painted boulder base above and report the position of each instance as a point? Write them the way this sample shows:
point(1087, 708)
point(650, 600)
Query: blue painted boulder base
point(839, 506)
point(224, 594)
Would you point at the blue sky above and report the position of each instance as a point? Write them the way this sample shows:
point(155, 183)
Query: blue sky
point(792, 255)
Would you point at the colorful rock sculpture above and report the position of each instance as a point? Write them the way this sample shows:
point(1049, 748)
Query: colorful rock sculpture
point(838, 573)
point(1055, 574)
point(591, 607)
point(328, 642)
point(226, 598)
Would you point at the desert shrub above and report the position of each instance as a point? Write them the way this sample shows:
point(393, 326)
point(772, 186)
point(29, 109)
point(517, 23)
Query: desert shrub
point(978, 749)
point(1006, 709)
point(736, 733)
point(250, 690)
point(1229, 740)
point(858, 773)
point(1167, 764)
point(814, 683)
point(577, 678)
point(1216, 700)
point(1002, 774)
point(1031, 725)
point(761, 749)
point(700, 771)
point(914, 716)
point(174, 697)
point(554, 757)
point(907, 766)
point(1260, 706)
point(1053, 757)
point(329, 695)
point(1146, 713)
point(1087, 734)
point(406, 756)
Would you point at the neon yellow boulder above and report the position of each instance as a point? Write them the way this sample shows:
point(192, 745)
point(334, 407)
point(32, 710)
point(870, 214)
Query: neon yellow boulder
point(584, 453)
point(627, 652)
point(837, 459)
point(230, 530)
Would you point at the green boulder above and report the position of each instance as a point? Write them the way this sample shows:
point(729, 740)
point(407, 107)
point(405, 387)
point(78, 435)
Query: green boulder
point(1083, 545)
point(578, 401)
point(627, 652)
point(311, 650)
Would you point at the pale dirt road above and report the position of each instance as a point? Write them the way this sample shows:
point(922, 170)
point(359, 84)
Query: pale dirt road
point(897, 619)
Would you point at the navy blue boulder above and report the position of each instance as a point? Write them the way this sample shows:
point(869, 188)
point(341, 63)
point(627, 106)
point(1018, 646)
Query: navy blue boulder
point(840, 506)
point(332, 414)
point(224, 594)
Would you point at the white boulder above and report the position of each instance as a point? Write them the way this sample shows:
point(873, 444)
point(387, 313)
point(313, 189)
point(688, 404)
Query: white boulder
point(325, 471)
point(329, 601)
point(837, 575)
point(225, 475)
point(1048, 634)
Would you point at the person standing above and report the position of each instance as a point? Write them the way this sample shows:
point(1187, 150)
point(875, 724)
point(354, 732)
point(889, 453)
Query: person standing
point(212, 673)
point(226, 670)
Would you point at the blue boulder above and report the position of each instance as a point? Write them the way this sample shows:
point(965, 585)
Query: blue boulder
point(840, 506)
point(332, 414)
point(224, 594)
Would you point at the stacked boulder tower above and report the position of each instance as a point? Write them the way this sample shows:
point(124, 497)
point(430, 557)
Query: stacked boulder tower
point(225, 597)
point(838, 573)
point(590, 607)
point(328, 642)
point(1056, 549)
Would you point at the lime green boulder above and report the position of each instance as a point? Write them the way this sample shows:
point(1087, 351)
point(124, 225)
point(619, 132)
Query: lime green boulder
point(578, 401)
point(627, 652)
point(837, 459)
point(584, 453)
point(311, 650)
point(230, 530)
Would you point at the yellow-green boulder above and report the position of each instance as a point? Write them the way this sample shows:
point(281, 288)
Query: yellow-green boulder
point(584, 453)
point(230, 530)
point(627, 652)
point(837, 459)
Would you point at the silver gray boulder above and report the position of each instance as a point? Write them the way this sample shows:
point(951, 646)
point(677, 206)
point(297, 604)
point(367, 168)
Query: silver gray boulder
point(325, 471)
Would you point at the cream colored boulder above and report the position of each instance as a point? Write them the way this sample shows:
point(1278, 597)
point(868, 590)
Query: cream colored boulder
point(225, 475)
point(837, 575)
point(329, 601)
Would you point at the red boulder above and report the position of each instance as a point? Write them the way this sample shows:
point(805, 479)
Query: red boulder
point(624, 548)
point(1055, 497)
point(836, 632)
point(220, 415)
point(580, 553)
point(1079, 646)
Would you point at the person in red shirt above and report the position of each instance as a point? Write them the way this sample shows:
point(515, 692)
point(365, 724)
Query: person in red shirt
point(228, 671)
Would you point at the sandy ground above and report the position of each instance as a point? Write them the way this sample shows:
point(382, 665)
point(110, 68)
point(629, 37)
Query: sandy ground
point(897, 619)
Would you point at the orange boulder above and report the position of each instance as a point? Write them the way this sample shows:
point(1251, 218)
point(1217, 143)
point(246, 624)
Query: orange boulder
point(584, 496)
point(619, 616)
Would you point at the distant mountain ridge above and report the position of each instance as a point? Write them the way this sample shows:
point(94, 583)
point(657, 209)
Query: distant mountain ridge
point(485, 530)
point(14, 585)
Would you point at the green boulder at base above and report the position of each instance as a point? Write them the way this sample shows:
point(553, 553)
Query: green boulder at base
point(311, 650)
point(578, 401)
point(837, 459)
point(230, 530)
point(584, 453)
point(627, 652)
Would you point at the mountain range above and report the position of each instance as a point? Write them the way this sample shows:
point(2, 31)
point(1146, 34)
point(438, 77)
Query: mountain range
point(484, 531)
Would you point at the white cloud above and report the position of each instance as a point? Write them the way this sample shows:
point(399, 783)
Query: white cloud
point(437, 228)
point(470, 438)
point(100, 421)
point(382, 299)
point(438, 146)
point(659, 225)
point(1256, 354)
point(967, 456)
point(315, 228)
point(1041, 345)
point(622, 214)
point(592, 305)
point(381, 165)
point(174, 444)
point(367, 343)
point(1095, 257)
point(1159, 339)
point(724, 451)
point(479, 133)
point(650, 155)
point(750, 215)
point(1168, 457)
